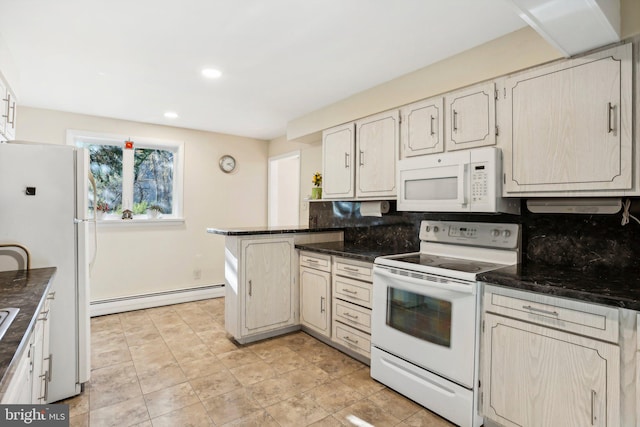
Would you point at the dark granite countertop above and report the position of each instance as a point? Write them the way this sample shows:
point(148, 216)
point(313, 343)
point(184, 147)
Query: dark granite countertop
point(359, 251)
point(248, 231)
point(608, 286)
point(26, 290)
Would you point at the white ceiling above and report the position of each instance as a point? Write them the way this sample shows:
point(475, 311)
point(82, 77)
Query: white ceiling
point(281, 59)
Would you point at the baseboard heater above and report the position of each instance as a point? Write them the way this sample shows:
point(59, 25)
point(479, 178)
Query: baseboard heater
point(157, 299)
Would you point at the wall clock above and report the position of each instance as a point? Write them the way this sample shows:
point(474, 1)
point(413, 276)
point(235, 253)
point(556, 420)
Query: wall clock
point(227, 163)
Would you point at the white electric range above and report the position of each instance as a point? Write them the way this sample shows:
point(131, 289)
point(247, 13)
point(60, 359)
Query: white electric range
point(426, 314)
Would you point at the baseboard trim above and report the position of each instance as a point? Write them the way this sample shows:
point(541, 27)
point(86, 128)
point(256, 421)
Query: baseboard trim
point(158, 299)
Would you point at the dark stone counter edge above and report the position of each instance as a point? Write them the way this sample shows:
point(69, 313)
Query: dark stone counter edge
point(559, 290)
point(343, 254)
point(22, 326)
point(269, 230)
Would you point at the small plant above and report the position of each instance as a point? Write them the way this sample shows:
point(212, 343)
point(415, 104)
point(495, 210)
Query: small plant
point(155, 208)
point(317, 179)
point(102, 206)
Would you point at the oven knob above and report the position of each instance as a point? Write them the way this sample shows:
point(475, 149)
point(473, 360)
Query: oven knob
point(506, 233)
point(427, 228)
point(435, 229)
point(495, 233)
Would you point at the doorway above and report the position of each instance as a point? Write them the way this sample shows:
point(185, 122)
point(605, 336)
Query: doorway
point(284, 190)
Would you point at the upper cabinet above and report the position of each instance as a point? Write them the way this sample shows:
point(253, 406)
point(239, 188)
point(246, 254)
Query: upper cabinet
point(359, 160)
point(567, 127)
point(421, 128)
point(7, 113)
point(377, 151)
point(470, 117)
point(338, 148)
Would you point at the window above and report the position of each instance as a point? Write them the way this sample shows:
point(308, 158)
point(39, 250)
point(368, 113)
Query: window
point(133, 174)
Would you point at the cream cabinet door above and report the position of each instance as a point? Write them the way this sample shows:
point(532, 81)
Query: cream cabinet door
point(377, 153)
point(421, 128)
point(470, 117)
point(338, 147)
point(268, 284)
point(568, 126)
point(315, 288)
point(535, 376)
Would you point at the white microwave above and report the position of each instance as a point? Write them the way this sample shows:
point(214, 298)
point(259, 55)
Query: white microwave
point(458, 181)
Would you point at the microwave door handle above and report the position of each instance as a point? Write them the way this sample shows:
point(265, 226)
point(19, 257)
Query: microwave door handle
point(462, 200)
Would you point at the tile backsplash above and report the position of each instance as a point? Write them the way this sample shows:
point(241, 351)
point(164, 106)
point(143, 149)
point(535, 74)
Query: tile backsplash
point(574, 240)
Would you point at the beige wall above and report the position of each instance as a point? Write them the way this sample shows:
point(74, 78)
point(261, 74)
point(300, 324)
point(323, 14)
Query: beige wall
point(135, 260)
point(516, 51)
point(310, 163)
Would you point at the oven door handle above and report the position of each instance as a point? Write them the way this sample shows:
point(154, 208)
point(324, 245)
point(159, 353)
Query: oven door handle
point(454, 287)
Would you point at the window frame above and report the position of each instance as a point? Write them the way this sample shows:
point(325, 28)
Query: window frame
point(78, 138)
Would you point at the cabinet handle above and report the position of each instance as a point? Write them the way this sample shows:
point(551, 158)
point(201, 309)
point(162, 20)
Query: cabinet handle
point(46, 387)
point(250, 288)
point(8, 101)
point(355, 270)
point(347, 338)
point(315, 261)
point(455, 121)
point(349, 291)
point(52, 295)
point(346, 160)
point(347, 314)
point(50, 370)
point(593, 404)
point(44, 315)
point(12, 108)
point(361, 158)
point(539, 310)
point(610, 111)
point(432, 132)
point(322, 309)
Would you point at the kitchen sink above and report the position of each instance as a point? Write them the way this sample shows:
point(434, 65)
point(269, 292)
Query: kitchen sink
point(6, 317)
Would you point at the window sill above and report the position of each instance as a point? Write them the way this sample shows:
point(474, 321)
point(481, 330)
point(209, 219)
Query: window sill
point(118, 222)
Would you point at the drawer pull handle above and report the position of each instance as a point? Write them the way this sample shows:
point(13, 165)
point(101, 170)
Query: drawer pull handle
point(350, 315)
point(539, 310)
point(355, 270)
point(349, 291)
point(347, 338)
point(315, 261)
point(250, 288)
point(593, 402)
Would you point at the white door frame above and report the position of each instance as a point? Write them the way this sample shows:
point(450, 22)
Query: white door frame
point(273, 199)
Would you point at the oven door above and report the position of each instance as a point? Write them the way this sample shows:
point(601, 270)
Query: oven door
point(435, 183)
point(427, 320)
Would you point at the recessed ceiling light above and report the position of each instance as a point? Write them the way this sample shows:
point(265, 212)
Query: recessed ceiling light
point(171, 115)
point(211, 73)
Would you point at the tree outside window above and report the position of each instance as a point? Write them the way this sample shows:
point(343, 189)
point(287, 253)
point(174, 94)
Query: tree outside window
point(138, 178)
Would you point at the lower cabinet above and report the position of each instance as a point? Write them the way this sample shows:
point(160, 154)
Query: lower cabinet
point(30, 380)
point(535, 375)
point(352, 297)
point(315, 292)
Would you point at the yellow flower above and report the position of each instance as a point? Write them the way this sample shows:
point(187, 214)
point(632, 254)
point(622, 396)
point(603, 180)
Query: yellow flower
point(317, 179)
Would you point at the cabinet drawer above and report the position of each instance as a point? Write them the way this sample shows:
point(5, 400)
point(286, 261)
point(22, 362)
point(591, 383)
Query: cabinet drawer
point(360, 271)
point(352, 338)
point(592, 320)
point(352, 290)
point(352, 314)
point(315, 260)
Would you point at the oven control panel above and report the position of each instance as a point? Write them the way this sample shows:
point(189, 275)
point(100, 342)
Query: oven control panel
point(503, 236)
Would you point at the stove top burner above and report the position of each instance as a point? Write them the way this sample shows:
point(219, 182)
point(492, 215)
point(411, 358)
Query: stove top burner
point(456, 264)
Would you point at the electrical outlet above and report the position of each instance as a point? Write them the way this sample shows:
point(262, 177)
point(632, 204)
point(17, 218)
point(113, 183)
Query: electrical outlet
point(197, 274)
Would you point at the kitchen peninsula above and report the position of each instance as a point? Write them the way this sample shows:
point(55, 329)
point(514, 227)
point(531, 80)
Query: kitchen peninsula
point(261, 271)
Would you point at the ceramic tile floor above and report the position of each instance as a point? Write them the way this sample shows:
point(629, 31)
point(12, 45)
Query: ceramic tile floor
point(174, 366)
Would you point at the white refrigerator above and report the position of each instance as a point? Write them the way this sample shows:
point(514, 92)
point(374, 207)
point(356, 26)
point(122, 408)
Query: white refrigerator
point(43, 206)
